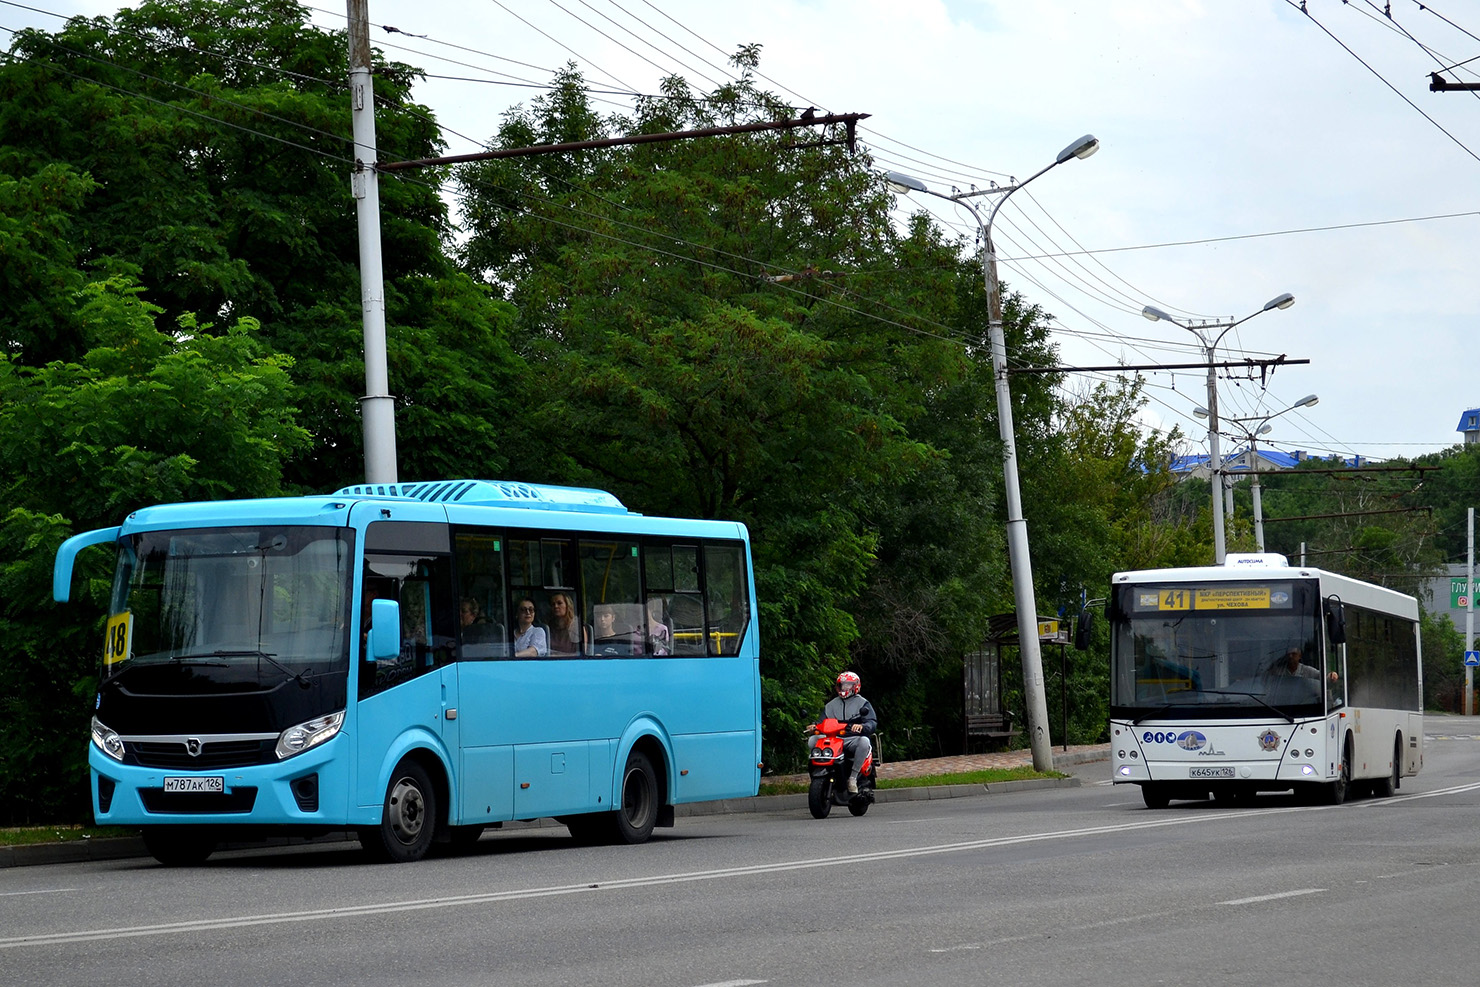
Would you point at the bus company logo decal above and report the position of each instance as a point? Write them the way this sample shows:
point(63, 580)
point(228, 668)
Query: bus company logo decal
point(1188, 740)
point(1269, 740)
point(1279, 598)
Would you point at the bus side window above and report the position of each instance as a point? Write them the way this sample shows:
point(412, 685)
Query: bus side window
point(482, 617)
point(672, 578)
point(726, 596)
point(411, 562)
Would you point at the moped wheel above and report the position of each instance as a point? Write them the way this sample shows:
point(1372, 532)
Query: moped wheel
point(819, 797)
point(859, 806)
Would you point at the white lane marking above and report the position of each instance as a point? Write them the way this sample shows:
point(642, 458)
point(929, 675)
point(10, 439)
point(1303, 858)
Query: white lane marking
point(1454, 790)
point(15, 894)
point(384, 908)
point(734, 983)
point(1272, 897)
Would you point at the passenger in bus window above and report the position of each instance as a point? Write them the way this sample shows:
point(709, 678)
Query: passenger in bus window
point(475, 630)
point(612, 635)
point(566, 633)
point(659, 640)
point(530, 641)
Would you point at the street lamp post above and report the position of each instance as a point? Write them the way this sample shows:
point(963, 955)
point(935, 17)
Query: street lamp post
point(1034, 694)
point(1215, 463)
point(1252, 434)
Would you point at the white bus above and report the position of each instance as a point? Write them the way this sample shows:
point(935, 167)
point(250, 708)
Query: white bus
point(1261, 676)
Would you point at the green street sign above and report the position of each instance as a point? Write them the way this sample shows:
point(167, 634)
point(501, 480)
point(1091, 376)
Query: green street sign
point(1458, 598)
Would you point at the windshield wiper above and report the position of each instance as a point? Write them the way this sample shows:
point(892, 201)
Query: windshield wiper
point(300, 677)
point(1274, 709)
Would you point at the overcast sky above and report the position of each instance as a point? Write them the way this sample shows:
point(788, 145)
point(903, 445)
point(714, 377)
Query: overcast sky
point(1246, 151)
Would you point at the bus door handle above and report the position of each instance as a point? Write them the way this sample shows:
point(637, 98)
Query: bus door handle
point(452, 713)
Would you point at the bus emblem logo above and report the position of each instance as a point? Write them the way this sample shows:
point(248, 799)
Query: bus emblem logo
point(192, 746)
point(1192, 741)
point(1269, 740)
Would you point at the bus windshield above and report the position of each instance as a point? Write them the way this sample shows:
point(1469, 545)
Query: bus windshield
point(250, 605)
point(1221, 649)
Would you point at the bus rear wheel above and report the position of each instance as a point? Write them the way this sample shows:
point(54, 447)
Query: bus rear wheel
point(1385, 787)
point(408, 819)
point(637, 813)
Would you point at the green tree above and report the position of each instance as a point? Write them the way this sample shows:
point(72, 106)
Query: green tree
point(204, 147)
point(145, 415)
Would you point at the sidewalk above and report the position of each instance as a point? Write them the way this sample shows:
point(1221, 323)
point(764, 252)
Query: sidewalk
point(129, 847)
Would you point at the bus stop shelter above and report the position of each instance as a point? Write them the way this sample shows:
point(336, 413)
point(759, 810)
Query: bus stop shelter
point(985, 716)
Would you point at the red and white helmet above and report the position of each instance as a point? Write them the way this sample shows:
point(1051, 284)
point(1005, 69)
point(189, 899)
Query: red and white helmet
point(848, 684)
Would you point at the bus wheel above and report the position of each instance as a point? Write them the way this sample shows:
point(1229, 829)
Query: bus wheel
point(1387, 786)
point(638, 811)
point(408, 819)
point(1155, 796)
point(178, 846)
point(1336, 791)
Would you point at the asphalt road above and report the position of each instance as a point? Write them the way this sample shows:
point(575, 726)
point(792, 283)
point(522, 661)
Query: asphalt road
point(1069, 885)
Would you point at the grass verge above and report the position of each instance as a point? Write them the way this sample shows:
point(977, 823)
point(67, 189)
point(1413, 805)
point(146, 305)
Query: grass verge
point(28, 835)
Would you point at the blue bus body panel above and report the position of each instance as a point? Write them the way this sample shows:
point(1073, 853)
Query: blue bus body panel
point(515, 739)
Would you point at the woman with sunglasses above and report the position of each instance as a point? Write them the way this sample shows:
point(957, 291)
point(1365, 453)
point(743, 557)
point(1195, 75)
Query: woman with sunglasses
point(529, 641)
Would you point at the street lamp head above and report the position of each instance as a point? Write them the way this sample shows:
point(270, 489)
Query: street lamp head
point(1306, 401)
point(1200, 412)
point(1265, 429)
point(1082, 148)
point(1283, 301)
point(904, 184)
point(1155, 314)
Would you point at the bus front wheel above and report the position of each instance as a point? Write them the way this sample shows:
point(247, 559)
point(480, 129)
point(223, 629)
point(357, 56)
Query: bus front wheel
point(178, 846)
point(1337, 791)
point(1155, 796)
point(408, 819)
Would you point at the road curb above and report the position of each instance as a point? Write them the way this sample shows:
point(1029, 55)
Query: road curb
point(120, 848)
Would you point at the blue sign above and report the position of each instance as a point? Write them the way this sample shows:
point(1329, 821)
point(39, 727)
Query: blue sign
point(1472, 657)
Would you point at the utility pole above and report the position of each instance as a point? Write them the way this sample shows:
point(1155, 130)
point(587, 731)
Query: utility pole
point(377, 407)
point(1470, 621)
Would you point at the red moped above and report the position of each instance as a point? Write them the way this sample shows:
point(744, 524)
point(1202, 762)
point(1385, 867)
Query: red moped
point(830, 770)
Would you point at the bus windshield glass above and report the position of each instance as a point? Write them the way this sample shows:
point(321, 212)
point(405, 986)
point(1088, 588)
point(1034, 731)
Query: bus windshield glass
point(1223, 649)
point(242, 604)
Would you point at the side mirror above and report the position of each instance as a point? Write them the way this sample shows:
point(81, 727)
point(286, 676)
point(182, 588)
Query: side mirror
point(1082, 630)
point(1335, 621)
point(385, 630)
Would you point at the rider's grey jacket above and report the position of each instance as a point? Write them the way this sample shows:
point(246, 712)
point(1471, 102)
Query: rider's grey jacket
point(854, 709)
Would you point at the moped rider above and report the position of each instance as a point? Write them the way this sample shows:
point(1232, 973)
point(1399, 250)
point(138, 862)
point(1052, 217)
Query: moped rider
point(851, 709)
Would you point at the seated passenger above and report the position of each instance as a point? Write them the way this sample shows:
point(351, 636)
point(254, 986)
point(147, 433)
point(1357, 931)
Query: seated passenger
point(611, 637)
point(476, 630)
point(530, 640)
point(566, 634)
point(659, 640)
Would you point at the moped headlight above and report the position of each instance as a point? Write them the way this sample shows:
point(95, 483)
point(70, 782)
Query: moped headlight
point(297, 739)
point(108, 742)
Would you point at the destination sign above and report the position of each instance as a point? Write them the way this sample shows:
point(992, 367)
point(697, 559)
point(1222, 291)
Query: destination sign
point(1228, 597)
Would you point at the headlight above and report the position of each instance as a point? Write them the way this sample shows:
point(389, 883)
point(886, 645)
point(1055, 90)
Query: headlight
point(108, 742)
point(296, 740)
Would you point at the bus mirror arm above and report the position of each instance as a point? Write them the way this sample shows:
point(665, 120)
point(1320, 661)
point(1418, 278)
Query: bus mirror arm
point(61, 572)
point(385, 631)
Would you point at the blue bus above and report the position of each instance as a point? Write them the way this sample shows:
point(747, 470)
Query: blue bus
point(419, 662)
